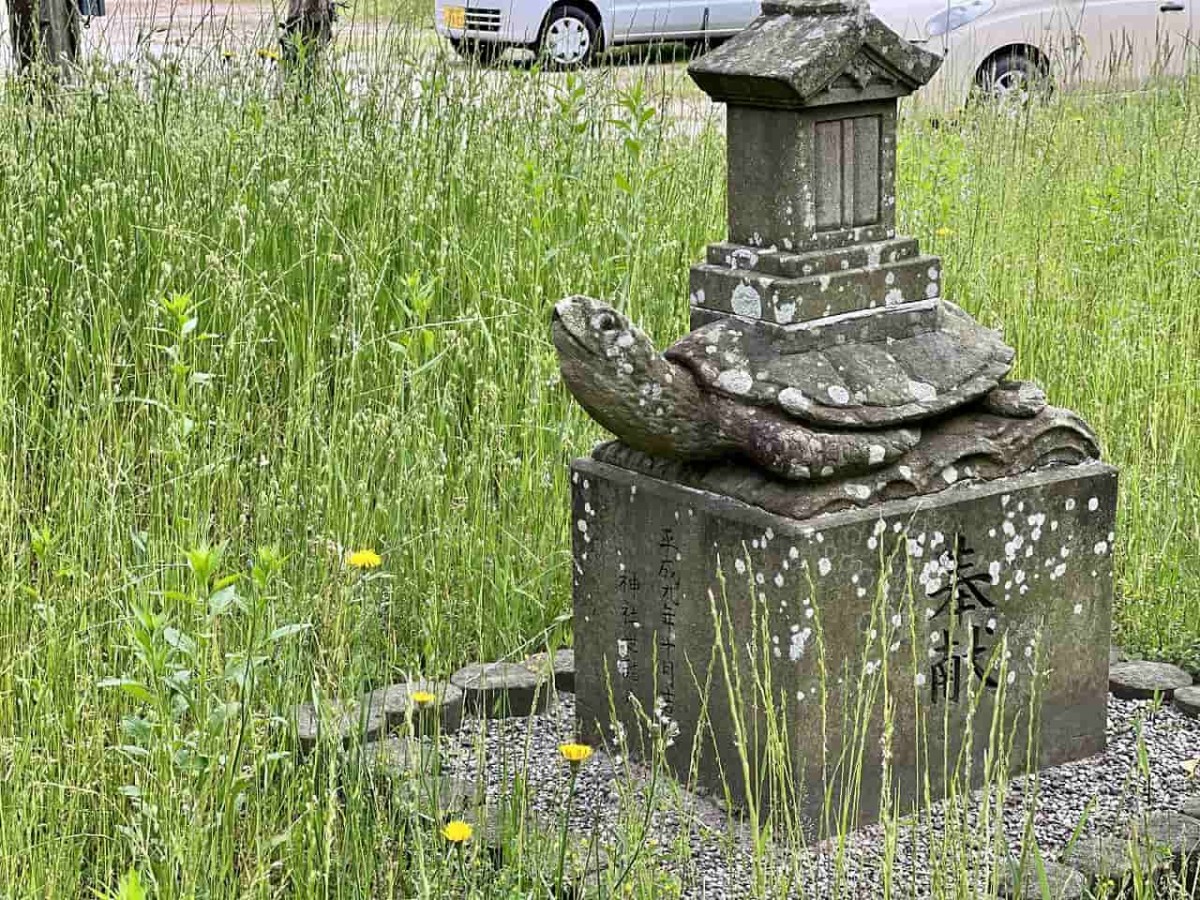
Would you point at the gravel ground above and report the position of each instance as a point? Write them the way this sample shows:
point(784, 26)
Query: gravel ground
point(695, 840)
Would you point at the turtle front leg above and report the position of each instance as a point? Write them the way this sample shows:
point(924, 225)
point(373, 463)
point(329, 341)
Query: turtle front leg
point(787, 449)
point(1015, 399)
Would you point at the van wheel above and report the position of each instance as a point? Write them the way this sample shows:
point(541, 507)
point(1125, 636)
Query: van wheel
point(569, 38)
point(1016, 75)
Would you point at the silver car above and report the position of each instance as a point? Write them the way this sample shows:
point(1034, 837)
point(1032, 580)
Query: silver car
point(1013, 46)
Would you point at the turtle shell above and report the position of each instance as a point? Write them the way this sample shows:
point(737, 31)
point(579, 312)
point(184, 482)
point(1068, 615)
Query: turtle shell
point(863, 370)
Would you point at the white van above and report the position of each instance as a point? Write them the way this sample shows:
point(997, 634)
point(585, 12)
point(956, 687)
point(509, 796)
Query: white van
point(997, 45)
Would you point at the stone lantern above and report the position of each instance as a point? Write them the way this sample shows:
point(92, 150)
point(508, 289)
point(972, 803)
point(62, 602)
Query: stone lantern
point(812, 90)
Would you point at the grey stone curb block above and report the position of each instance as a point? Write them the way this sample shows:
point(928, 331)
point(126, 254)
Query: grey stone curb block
point(1172, 831)
point(1141, 680)
point(444, 715)
point(382, 711)
point(1064, 882)
point(1100, 858)
point(394, 755)
point(502, 690)
point(563, 667)
point(1187, 701)
point(367, 721)
point(1165, 840)
point(411, 763)
point(1191, 808)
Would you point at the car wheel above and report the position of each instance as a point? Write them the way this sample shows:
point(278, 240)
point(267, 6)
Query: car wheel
point(1014, 76)
point(569, 38)
point(482, 52)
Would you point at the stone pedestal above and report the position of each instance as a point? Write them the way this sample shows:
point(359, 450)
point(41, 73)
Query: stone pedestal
point(975, 598)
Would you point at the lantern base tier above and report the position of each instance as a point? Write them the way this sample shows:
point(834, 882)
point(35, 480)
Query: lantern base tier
point(788, 288)
point(773, 261)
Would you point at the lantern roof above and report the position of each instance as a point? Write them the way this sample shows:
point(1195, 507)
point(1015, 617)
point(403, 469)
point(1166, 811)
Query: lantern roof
point(803, 53)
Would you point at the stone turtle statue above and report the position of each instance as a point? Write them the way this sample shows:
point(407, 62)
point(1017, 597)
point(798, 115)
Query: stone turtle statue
point(802, 404)
point(657, 405)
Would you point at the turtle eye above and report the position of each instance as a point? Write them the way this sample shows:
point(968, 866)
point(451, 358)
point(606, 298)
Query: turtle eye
point(605, 322)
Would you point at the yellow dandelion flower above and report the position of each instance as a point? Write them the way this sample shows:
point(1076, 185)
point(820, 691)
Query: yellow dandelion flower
point(422, 698)
point(266, 53)
point(944, 232)
point(364, 559)
point(457, 832)
point(575, 753)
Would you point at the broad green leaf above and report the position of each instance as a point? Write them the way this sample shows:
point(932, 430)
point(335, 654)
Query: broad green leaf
point(284, 631)
point(224, 600)
point(130, 686)
point(130, 887)
point(180, 641)
point(238, 668)
point(222, 713)
point(178, 679)
point(227, 580)
point(137, 728)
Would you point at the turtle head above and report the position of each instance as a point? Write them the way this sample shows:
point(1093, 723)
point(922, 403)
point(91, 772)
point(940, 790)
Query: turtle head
point(616, 374)
point(594, 338)
point(586, 327)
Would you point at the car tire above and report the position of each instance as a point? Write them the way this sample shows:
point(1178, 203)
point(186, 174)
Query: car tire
point(483, 52)
point(1016, 75)
point(569, 38)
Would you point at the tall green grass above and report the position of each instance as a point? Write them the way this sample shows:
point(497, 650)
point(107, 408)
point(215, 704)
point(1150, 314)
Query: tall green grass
point(1074, 228)
point(261, 327)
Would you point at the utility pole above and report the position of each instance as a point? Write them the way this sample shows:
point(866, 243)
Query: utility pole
point(45, 31)
point(307, 29)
